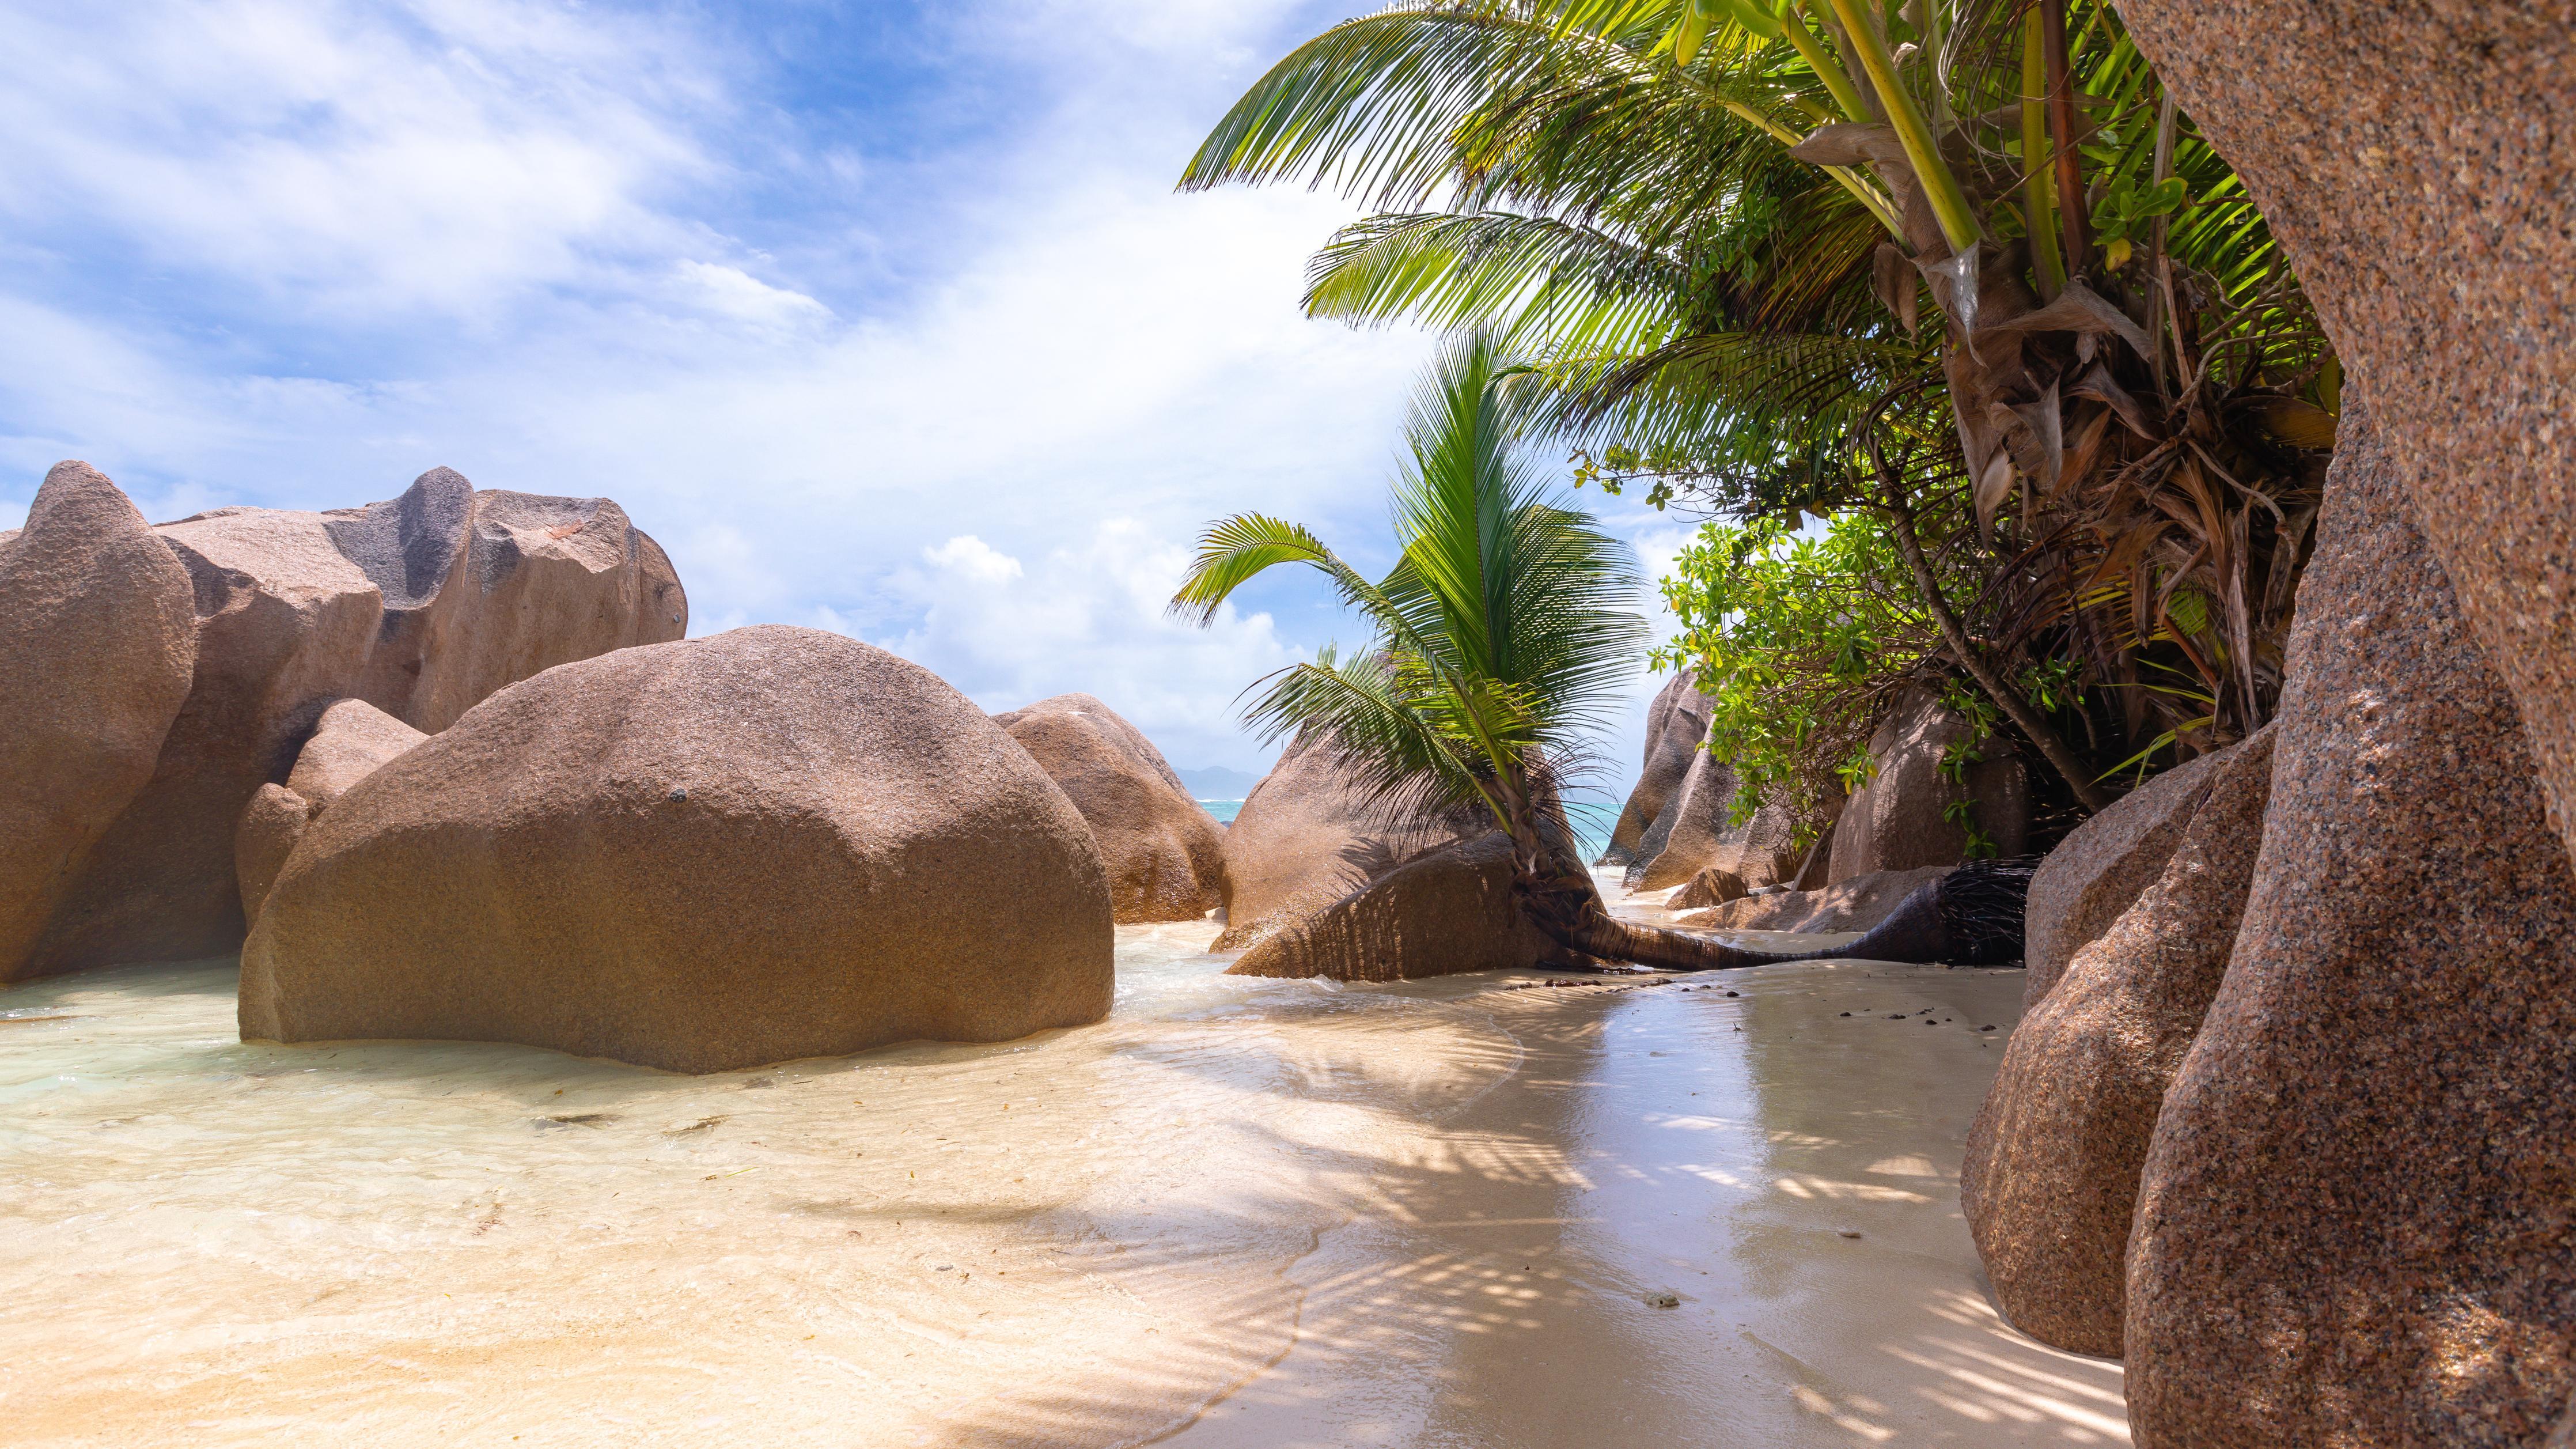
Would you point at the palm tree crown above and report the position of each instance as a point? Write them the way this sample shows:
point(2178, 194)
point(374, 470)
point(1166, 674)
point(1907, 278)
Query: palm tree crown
point(1502, 636)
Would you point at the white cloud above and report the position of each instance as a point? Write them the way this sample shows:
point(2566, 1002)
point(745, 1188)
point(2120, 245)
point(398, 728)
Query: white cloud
point(350, 159)
point(497, 235)
point(1090, 617)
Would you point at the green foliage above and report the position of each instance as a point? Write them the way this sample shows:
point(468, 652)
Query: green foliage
point(1796, 638)
point(1721, 324)
point(1502, 637)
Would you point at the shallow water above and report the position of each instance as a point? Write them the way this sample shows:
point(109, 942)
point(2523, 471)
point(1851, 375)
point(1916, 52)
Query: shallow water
point(1240, 1212)
point(1078, 1235)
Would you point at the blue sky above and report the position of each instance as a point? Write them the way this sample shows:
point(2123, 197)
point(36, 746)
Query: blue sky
point(882, 317)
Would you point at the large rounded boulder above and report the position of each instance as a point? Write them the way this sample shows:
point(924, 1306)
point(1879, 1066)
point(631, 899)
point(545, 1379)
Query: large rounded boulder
point(1164, 853)
point(771, 844)
point(2097, 872)
point(1309, 835)
point(97, 644)
point(2049, 1181)
point(1448, 911)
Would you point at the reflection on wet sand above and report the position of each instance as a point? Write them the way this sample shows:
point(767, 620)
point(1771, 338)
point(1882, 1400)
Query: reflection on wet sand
point(1784, 1175)
point(1243, 1212)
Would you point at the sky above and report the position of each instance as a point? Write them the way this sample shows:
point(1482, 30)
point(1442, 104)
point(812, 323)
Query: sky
point(883, 317)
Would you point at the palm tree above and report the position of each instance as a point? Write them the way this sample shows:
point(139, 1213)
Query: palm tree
point(1715, 227)
point(1502, 634)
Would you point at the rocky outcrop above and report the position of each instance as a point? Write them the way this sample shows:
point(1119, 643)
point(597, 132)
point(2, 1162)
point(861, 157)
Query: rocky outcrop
point(353, 741)
point(1853, 905)
point(2436, 244)
point(1696, 833)
point(2099, 869)
point(1165, 854)
point(1897, 821)
point(770, 844)
point(1307, 836)
point(1676, 723)
point(419, 606)
point(2353, 1222)
point(1441, 913)
point(97, 644)
point(2050, 1178)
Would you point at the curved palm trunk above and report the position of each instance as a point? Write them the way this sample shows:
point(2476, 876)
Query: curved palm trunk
point(1560, 899)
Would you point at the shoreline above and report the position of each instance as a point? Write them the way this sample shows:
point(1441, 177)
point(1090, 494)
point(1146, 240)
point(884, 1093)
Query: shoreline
point(1242, 1212)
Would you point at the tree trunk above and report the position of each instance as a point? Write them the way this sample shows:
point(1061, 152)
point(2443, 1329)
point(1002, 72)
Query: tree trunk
point(2059, 757)
point(1566, 907)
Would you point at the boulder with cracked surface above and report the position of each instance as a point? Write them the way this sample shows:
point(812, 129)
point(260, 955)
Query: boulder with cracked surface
point(420, 605)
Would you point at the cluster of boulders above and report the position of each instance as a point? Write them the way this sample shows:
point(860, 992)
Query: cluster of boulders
point(1679, 832)
point(768, 844)
point(161, 676)
point(440, 767)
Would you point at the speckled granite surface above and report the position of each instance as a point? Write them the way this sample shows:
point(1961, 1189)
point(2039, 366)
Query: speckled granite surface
point(2418, 160)
point(2357, 1221)
point(2095, 874)
point(2051, 1171)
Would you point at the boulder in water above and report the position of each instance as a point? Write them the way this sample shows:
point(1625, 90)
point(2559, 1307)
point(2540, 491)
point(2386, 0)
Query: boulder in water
point(420, 605)
point(97, 645)
point(2051, 1172)
point(1308, 835)
point(1165, 854)
point(769, 844)
point(1447, 911)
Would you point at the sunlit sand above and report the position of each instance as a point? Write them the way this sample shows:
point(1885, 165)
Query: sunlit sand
point(1465, 1211)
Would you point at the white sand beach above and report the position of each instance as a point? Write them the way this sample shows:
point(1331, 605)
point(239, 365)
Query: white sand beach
point(1241, 1213)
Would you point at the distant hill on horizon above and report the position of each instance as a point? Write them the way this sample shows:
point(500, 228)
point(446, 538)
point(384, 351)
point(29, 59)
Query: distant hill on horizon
point(1216, 782)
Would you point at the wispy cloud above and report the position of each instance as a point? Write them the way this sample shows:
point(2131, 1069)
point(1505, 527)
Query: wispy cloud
point(842, 330)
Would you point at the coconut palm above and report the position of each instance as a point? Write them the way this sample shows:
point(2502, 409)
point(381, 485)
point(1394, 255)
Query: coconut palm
point(1716, 226)
point(1504, 634)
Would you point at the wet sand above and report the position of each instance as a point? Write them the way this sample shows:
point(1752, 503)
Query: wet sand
point(1240, 1213)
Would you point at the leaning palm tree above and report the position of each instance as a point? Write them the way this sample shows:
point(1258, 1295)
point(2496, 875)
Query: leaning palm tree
point(1503, 634)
